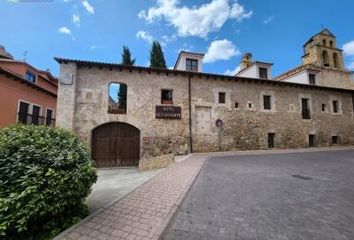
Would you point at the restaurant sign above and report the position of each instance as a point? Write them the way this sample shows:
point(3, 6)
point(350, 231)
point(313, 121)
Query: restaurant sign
point(168, 112)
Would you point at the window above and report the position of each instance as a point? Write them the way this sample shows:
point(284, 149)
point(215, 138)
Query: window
point(23, 110)
point(271, 137)
point(323, 107)
point(117, 98)
point(49, 121)
point(263, 73)
point(267, 102)
point(334, 139)
point(335, 106)
point(311, 140)
point(222, 97)
point(30, 76)
point(36, 115)
point(305, 108)
point(236, 104)
point(192, 65)
point(166, 96)
point(312, 79)
point(331, 44)
point(249, 105)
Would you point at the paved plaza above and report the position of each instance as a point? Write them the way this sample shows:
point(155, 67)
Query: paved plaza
point(297, 196)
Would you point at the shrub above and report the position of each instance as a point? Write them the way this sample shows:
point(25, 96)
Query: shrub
point(45, 176)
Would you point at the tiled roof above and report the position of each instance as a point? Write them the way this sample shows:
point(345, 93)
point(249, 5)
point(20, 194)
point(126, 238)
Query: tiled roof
point(140, 69)
point(17, 77)
point(54, 80)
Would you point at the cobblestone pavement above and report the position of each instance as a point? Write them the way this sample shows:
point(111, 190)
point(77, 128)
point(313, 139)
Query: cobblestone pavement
point(143, 214)
point(297, 196)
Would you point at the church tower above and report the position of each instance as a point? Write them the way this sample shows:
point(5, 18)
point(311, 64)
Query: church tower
point(321, 50)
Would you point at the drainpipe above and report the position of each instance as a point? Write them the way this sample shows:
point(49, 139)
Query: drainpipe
point(190, 114)
point(353, 101)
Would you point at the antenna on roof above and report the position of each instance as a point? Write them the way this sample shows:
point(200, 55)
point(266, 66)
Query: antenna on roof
point(25, 55)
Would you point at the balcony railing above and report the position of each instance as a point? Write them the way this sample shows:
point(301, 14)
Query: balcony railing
point(306, 114)
point(26, 118)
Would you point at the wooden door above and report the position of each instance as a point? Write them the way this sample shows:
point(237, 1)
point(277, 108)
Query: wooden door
point(116, 145)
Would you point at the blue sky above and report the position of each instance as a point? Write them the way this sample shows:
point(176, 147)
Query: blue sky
point(97, 29)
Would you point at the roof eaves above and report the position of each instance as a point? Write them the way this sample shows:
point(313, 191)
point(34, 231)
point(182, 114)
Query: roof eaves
point(200, 74)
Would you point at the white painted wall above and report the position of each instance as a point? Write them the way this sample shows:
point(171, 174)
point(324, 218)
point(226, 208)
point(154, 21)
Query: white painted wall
point(253, 71)
point(181, 64)
point(302, 77)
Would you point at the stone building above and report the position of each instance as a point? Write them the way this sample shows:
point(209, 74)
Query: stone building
point(144, 116)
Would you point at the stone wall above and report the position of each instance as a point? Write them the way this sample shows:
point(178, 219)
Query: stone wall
point(83, 105)
point(247, 128)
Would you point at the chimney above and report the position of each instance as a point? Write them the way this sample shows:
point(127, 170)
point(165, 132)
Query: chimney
point(246, 61)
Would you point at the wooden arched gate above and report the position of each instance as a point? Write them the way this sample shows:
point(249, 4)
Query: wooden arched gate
point(116, 144)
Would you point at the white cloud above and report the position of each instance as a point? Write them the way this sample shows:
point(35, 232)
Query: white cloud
point(93, 47)
point(195, 21)
point(349, 48)
point(76, 20)
point(239, 13)
point(220, 50)
point(64, 30)
point(145, 36)
point(268, 20)
point(233, 72)
point(89, 8)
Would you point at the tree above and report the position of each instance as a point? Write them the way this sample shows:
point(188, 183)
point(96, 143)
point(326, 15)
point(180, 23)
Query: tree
point(126, 57)
point(157, 58)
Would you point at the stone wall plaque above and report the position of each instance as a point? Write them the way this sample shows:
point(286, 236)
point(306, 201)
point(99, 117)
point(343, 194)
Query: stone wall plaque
point(168, 112)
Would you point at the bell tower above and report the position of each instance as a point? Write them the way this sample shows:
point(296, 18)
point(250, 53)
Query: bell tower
point(321, 50)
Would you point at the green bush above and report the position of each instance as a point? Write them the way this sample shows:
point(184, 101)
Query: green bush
point(45, 176)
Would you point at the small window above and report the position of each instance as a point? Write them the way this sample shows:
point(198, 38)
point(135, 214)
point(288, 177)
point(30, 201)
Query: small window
point(263, 73)
point(335, 106)
point(312, 79)
point(236, 104)
point(30, 76)
point(167, 96)
point(305, 110)
point(267, 102)
point(334, 139)
point(222, 97)
point(117, 100)
point(249, 105)
point(331, 44)
point(271, 137)
point(323, 107)
point(191, 65)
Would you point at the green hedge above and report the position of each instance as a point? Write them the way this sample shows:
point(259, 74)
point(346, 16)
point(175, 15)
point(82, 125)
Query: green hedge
point(45, 176)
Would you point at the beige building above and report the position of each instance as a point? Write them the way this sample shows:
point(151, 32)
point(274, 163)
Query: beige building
point(144, 116)
point(323, 64)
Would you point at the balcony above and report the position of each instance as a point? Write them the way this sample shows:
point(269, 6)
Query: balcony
point(27, 118)
point(306, 114)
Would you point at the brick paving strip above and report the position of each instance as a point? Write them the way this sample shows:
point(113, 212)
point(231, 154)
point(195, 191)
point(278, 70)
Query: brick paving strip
point(145, 212)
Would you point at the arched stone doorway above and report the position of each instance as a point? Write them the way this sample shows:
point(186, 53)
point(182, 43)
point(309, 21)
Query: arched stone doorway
point(116, 144)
